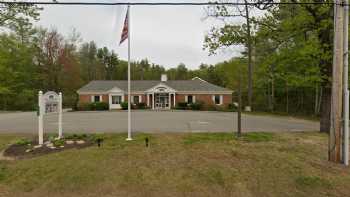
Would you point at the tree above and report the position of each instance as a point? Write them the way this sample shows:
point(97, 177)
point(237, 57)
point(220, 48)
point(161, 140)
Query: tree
point(236, 35)
point(110, 61)
point(91, 67)
point(15, 15)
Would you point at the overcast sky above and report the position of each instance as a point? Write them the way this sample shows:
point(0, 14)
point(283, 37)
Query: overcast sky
point(165, 35)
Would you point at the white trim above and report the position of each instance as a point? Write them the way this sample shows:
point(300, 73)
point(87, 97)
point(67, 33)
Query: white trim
point(221, 99)
point(204, 92)
point(115, 106)
point(147, 98)
point(154, 88)
point(197, 78)
point(92, 98)
point(115, 90)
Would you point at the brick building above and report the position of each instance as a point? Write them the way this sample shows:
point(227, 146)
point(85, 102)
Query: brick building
point(163, 94)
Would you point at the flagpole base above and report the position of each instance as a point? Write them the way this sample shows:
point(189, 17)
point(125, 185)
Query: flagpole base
point(128, 139)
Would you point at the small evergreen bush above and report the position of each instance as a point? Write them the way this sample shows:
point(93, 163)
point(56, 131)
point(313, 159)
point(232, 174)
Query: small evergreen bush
point(124, 105)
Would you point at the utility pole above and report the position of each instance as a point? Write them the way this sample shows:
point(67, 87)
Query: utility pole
point(345, 85)
point(337, 85)
point(250, 65)
point(239, 108)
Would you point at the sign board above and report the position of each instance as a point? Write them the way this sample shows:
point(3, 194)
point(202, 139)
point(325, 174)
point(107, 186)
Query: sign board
point(51, 101)
point(48, 103)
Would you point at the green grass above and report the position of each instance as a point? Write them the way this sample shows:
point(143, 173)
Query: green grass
point(284, 114)
point(196, 164)
point(312, 182)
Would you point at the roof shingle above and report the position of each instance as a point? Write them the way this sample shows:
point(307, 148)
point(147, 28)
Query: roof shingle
point(143, 85)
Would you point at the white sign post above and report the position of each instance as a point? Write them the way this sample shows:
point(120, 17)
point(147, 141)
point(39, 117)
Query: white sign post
point(60, 115)
point(40, 117)
point(50, 102)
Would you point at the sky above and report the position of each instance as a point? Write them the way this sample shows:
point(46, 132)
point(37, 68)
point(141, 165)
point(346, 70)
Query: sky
point(165, 35)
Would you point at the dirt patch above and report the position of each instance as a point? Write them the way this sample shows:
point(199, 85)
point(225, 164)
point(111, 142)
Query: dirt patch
point(17, 151)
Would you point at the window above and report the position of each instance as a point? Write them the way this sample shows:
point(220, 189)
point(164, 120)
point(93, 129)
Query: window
point(136, 100)
point(97, 98)
point(189, 99)
point(217, 100)
point(116, 100)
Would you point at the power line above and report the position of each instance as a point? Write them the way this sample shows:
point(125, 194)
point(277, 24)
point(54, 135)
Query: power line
point(164, 3)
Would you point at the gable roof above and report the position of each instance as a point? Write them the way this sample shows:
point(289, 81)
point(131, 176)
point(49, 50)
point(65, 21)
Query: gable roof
point(195, 85)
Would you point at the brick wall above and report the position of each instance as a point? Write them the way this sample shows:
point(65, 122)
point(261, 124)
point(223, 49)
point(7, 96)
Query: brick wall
point(86, 98)
point(206, 98)
point(144, 97)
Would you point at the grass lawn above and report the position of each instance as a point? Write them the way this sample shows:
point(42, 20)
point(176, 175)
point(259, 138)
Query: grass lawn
point(258, 164)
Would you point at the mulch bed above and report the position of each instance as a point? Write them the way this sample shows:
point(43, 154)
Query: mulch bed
point(19, 151)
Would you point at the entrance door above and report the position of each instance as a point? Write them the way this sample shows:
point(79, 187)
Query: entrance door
point(115, 101)
point(162, 101)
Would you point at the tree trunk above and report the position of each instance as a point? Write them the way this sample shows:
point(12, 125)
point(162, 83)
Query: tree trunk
point(316, 99)
point(287, 98)
point(325, 123)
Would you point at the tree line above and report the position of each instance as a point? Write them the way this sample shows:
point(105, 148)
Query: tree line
point(288, 48)
point(35, 58)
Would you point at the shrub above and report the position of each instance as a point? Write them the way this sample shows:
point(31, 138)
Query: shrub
point(196, 106)
point(99, 106)
point(75, 136)
point(96, 137)
point(232, 107)
point(124, 105)
point(182, 105)
point(51, 137)
point(58, 142)
point(23, 141)
point(83, 107)
point(216, 108)
point(141, 105)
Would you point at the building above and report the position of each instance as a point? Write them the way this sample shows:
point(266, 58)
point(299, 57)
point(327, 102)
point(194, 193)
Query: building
point(163, 94)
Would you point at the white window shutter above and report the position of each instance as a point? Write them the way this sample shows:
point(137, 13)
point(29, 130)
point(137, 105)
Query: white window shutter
point(132, 99)
point(213, 98)
point(186, 98)
point(140, 98)
point(92, 98)
point(101, 98)
point(193, 98)
point(221, 99)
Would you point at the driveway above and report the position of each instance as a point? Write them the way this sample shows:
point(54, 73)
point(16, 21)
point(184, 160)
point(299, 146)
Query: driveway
point(151, 121)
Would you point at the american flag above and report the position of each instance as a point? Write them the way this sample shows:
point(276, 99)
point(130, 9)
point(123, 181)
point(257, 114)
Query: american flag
point(125, 29)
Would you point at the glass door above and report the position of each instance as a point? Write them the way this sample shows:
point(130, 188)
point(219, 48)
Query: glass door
point(162, 101)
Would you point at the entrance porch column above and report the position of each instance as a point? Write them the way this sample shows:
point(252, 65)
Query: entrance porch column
point(153, 100)
point(148, 97)
point(174, 100)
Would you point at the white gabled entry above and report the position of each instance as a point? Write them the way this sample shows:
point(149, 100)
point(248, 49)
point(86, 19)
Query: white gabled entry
point(161, 96)
point(116, 97)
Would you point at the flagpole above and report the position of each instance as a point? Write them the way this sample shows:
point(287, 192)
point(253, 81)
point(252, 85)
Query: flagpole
point(129, 91)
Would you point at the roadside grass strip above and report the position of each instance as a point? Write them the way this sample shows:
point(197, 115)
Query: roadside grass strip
point(180, 164)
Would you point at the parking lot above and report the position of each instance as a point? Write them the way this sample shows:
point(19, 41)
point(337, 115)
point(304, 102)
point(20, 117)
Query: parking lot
point(151, 121)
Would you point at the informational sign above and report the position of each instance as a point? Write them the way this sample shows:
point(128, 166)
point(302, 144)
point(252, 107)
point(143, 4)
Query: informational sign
point(49, 102)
